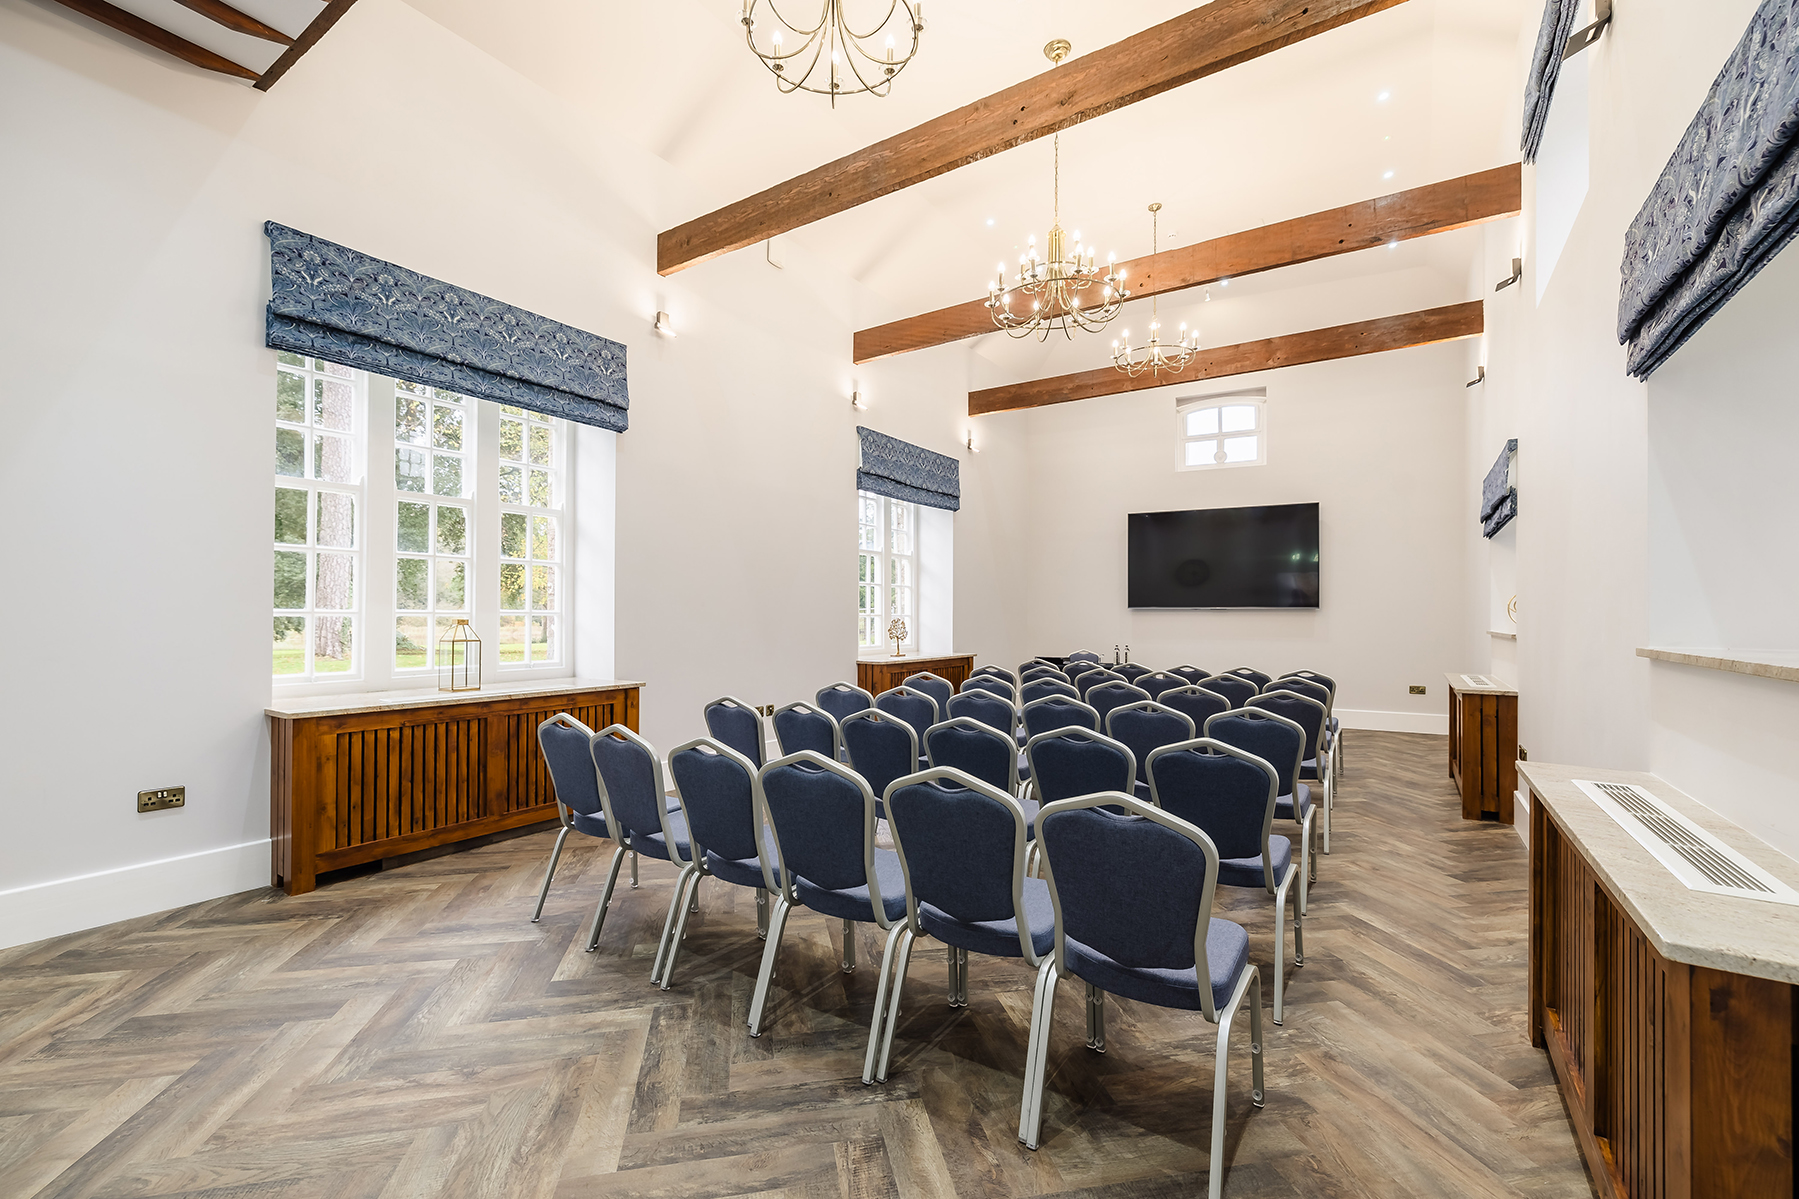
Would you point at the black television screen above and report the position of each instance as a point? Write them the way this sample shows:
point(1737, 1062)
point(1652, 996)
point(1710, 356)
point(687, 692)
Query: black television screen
point(1225, 558)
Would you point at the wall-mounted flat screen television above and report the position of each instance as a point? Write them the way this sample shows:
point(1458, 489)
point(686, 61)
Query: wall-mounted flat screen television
point(1225, 558)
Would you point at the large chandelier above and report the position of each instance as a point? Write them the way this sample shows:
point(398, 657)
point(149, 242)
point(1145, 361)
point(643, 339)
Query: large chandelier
point(1155, 358)
point(854, 62)
point(1065, 290)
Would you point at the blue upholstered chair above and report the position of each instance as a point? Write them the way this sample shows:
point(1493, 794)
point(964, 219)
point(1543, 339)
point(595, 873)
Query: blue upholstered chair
point(998, 672)
point(1081, 655)
point(1255, 676)
point(1132, 896)
point(1069, 762)
point(1103, 697)
point(843, 699)
point(1311, 715)
point(961, 846)
point(1238, 690)
point(1229, 795)
point(738, 725)
point(992, 684)
point(1158, 681)
point(822, 817)
point(1057, 712)
point(987, 708)
point(1192, 674)
point(1132, 671)
point(975, 749)
point(718, 798)
point(1074, 670)
point(1146, 726)
point(801, 725)
point(1043, 674)
point(933, 685)
point(1196, 701)
point(919, 709)
point(635, 800)
point(1036, 689)
point(1090, 679)
point(1036, 664)
point(882, 747)
point(566, 746)
point(1279, 742)
point(1332, 724)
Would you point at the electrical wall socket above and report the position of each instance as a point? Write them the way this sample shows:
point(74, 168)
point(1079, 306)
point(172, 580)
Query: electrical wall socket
point(1417, 690)
point(162, 797)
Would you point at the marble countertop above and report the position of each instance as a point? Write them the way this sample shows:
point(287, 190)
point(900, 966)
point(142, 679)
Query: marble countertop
point(1764, 664)
point(1741, 936)
point(423, 697)
point(1460, 683)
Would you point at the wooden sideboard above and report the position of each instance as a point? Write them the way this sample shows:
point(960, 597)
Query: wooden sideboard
point(875, 675)
point(1668, 1014)
point(1483, 746)
point(358, 778)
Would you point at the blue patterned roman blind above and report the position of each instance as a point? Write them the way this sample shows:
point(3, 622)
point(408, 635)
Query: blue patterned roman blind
point(1545, 69)
point(900, 470)
point(1498, 498)
point(334, 303)
point(1726, 203)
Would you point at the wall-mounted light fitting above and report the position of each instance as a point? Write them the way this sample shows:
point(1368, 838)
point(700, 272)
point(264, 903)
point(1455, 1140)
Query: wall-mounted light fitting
point(1517, 274)
point(857, 402)
point(665, 324)
point(972, 447)
point(1480, 376)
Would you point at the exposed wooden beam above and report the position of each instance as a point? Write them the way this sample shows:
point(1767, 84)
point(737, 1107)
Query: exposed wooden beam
point(135, 26)
point(241, 22)
point(309, 37)
point(1437, 208)
point(1191, 46)
point(1320, 345)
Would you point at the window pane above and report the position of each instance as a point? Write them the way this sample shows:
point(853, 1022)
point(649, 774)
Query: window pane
point(512, 440)
point(543, 638)
point(452, 530)
point(446, 427)
point(335, 588)
point(414, 525)
point(331, 646)
point(1202, 423)
point(290, 645)
point(540, 445)
point(512, 587)
point(290, 579)
point(543, 588)
point(331, 368)
point(290, 397)
point(543, 538)
point(336, 527)
point(512, 534)
point(512, 485)
point(289, 358)
point(1239, 417)
point(409, 470)
point(449, 585)
point(331, 459)
point(446, 474)
point(412, 644)
point(1199, 453)
point(290, 453)
point(902, 572)
point(290, 516)
point(899, 601)
point(409, 420)
point(332, 404)
point(1239, 449)
point(512, 639)
point(409, 584)
point(540, 489)
point(870, 568)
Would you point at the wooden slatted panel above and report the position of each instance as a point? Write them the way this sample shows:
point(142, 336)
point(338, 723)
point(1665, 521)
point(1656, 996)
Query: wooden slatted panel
point(407, 779)
point(1634, 1115)
point(527, 778)
point(1569, 988)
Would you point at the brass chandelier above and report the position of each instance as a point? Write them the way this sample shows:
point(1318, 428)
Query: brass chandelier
point(1155, 358)
point(852, 61)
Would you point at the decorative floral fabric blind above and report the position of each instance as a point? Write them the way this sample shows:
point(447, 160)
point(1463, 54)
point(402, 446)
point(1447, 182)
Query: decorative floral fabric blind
point(335, 303)
point(900, 470)
point(1726, 203)
point(1545, 69)
point(1498, 498)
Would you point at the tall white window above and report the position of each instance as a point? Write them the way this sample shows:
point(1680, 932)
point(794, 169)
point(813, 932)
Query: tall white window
point(434, 461)
point(1222, 431)
point(530, 563)
point(887, 536)
point(319, 489)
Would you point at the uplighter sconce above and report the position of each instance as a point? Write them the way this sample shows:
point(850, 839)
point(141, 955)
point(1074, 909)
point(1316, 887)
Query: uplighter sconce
point(1517, 274)
point(665, 324)
point(1480, 376)
point(857, 402)
point(972, 447)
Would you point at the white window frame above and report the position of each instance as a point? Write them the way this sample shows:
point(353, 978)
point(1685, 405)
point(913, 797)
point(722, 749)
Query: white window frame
point(1255, 398)
point(883, 558)
point(557, 510)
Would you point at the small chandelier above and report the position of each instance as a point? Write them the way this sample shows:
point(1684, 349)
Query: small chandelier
point(854, 62)
point(1155, 357)
point(1065, 291)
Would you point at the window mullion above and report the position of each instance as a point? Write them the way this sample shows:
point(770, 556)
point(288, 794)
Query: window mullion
point(380, 496)
point(485, 550)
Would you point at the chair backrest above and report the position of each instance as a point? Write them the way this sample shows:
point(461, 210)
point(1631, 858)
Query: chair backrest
point(1192, 674)
point(1090, 679)
point(1158, 681)
point(1238, 690)
point(1038, 688)
point(1255, 676)
point(919, 709)
point(738, 725)
point(987, 708)
point(1147, 726)
point(1302, 710)
point(998, 672)
point(1221, 789)
point(801, 725)
point(1036, 664)
point(990, 683)
point(961, 845)
point(976, 749)
point(1135, 887)
point(1082, 655)
point(631, 786)
point(933, 685)
point(882, 747)
point(1305, 687)
point(718, 786)
point(1198, 702)
point(843, 699)
point(1313, 676)
point(1074, 670)
point(1070, 762)
point(1268, 735)
point(1114, 693)
point(1132, 671)
point(1054, 712)
point(566, 747)
point(1042, 671)
point(823, 817)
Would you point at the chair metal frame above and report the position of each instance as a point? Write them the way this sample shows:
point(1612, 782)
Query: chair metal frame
point(804, 706)
point(1320, 755)
point(981, 726)
point(752, 709)
point(998, 672)
point(1329, 759)
point(1193, 674)
point(565, 814)
point(1308, 827)
point(1249, 983)
point(1148, 705)
point(1250, 674)
point(1337, 757)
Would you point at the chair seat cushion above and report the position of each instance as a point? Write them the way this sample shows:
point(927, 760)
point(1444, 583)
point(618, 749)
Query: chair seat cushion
point(1332, 724)
point(653, 844)
point(852, 903)
point(1024, 768)
point(1247, 872)
point(1283, 805)
point(595, 825)
point(748, 871)
point(1308, 770)
point(1227, 955)
point(997, 938)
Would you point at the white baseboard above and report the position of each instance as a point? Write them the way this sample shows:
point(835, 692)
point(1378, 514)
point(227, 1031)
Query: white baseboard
point(69, 905)
point(1394, 722)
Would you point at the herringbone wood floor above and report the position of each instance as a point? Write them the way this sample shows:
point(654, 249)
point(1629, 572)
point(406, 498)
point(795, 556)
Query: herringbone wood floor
point(412, 1034)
